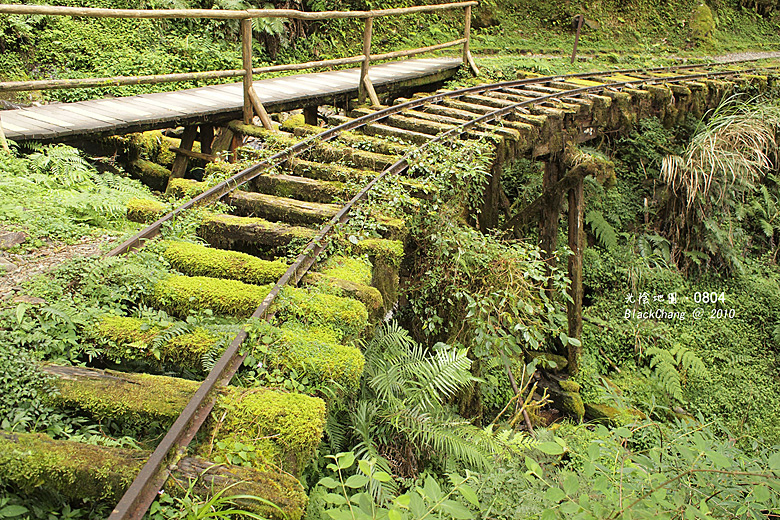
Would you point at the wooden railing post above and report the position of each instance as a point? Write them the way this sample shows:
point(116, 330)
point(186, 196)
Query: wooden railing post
point(246, 54)
point(365, 85)
point(467, 58)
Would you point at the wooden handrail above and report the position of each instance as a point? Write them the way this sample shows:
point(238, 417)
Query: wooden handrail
point(223, 14)
point(251, 99)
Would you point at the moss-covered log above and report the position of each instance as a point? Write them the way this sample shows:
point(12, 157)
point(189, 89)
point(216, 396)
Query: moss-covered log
point(368, 296)
point(144, 211)
point(300, 188)
point(282, 209)
point(151, 174)
point(284, 429)
point(198, 260)
point(180, 295)
point(137, 401)
point(87, 472)
point(249, 234)
point(384, 130)
point(312, 351)
point(185, 188)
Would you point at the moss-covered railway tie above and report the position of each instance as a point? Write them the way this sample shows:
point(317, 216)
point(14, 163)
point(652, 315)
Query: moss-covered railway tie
point(237, 275)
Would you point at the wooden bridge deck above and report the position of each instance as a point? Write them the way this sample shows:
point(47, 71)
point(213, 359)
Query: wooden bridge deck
point(218, 103)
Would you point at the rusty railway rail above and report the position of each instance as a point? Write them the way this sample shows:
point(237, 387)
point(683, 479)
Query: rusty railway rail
point(153, 475)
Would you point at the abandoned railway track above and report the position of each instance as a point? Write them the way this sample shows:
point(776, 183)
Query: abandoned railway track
point(282, 199)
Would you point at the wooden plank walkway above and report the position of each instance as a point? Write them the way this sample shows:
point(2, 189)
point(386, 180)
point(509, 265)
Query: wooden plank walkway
point(214, 104)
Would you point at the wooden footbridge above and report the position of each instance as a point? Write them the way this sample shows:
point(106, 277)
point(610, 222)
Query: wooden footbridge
point(314, 171)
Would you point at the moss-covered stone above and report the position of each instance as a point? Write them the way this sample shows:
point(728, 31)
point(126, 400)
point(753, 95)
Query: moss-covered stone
point(288, 425)
point(390, 252)
point(144, 211)
point(293, 122)
point(185, 188)
point(571, 404)
point(569, 385)
point(314, 352)
point(197, 260)
point(560, 361)
point(612, 415)
point(702, 24)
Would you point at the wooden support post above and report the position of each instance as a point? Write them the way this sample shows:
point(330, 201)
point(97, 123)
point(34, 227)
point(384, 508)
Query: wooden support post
point(179, 167)
point(206, 137)
point(574, 308)
point(310, 115)
point(467, 58)
point(223, 141)
point(548, 232)
point(364, 81)
point(259, 109)
point(246, 54)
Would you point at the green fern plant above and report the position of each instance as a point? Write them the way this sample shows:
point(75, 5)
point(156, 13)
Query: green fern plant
point(603, 230)
point(671, 366)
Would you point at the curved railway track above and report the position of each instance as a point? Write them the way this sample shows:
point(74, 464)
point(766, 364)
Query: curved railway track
point(302, 197)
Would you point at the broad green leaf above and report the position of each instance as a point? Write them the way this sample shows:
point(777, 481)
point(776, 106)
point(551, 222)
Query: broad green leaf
point(329, 482)
point(394, 515)
point(337, 514)
point(336, 499)
point(417, 505)
point(469, 495)
point(356, 481)
point(432, 489)
point(571, 484)
point(456, 510)
point(403, 500)
point(554, 494)
point(594, 450)
point(548, 514)
point(774, 462)
point(718, 459)
point(382, 476)
point(623, 432)
point(550, 448)
point(365, 467)
point(345, 460)
point(366, 504)
point(761, 494)
point(533, 466)
point(12, 510)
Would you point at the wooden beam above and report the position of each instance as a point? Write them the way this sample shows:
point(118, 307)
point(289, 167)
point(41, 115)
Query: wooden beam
point(310, 115)
point(467, 59)
point(548, 229)
point(371, 92)
point(246, 55)
point(179, 167)
point(369, 24)
point(3, 140)
point(532, 210)
point(574, 307)
point(194, 155)
point(223, 14)
point(223, 141)
point(206, 137)
point(259, 109)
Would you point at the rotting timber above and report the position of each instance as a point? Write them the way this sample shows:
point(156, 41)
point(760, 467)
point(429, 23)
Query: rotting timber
point(536, 117)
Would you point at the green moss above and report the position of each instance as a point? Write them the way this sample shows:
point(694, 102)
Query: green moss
point(76, 471)
point(560, 362)
point(702, 24)
point(179, 295)
point(612, 415)
point(131, 339)
point(571, 403)
point(198, 260)
point(152, 145)
point(348, 316)
point(389, 251)
point(293, 422)
point(185, 188)
point(137, 401)
point(355, 270)
point(314, 352)
point(151, 174)
point(293, 122)
point(144, 210)
point(369, 296)
point(569, 385)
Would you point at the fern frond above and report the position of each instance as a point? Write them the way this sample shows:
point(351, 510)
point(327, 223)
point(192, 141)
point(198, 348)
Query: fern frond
point(603, 230)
